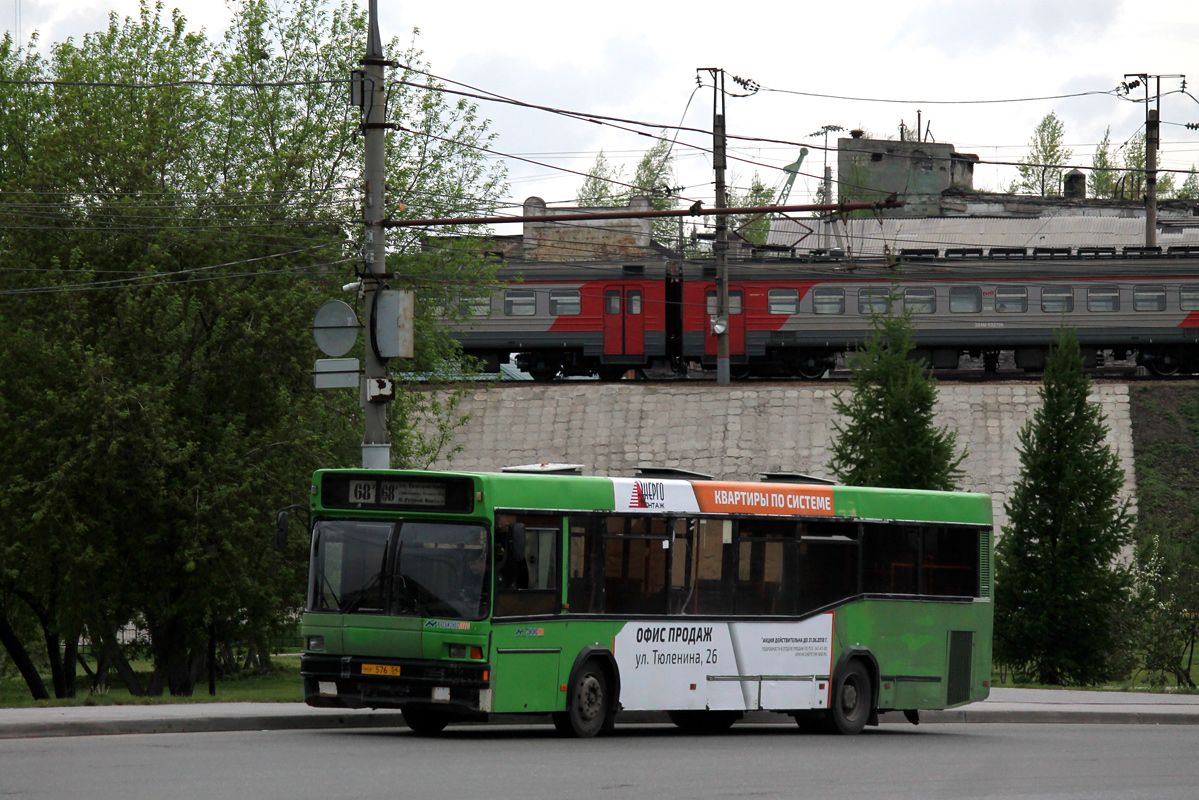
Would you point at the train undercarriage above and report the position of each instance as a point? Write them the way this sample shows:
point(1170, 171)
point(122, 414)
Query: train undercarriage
point(817, 363)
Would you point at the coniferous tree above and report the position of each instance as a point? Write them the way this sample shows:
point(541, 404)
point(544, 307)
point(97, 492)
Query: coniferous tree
point(1059, 585)
point(889, 437)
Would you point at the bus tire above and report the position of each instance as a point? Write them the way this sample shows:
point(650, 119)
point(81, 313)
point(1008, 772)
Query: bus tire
point(423, 721)
point(704, 722)
point(562, 723)
point(589, 701)
point(852, 699)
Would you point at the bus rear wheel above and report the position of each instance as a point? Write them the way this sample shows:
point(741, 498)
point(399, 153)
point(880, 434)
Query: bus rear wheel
point(423, 721)
point(704, 722)
point(588, 705)
point(852, 700)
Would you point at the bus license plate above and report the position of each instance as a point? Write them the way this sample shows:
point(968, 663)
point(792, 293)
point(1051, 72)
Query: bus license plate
point(392, 670)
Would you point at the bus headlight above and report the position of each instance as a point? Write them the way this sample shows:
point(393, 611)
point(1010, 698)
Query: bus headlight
point(316, 643)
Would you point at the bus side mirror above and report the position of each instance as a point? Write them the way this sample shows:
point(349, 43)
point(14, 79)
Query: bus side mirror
point(281, 530)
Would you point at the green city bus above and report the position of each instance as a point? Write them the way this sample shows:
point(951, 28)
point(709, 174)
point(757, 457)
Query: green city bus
point(455, 596)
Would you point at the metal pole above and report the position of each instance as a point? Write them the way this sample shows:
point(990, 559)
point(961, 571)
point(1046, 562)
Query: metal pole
point(376, 443)
point(722, 230)
point(1151, 141)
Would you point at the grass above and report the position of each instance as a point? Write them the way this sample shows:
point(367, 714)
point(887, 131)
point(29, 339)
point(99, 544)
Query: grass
point(282, 685)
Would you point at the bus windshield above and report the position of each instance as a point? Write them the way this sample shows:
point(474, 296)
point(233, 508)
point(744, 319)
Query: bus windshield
point(408, 568)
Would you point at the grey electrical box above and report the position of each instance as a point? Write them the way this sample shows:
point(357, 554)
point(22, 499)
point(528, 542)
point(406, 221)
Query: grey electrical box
point(394, 314)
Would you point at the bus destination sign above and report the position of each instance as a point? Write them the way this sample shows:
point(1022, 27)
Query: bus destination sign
point(447, 495)
point(398, 493)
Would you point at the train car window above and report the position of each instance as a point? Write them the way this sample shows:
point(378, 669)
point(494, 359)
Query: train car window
point(783, 301)
point(828, 301)
point(520, 303)
point(1149, 298)
point(612, 301)
point(633, 301)
point(1057, 299)
point(565, 303)
point(734, 303)
point(1103, 299)
point(920, 301)
point(1188, 298)
point(874, 301)
point(965, 300)
point(1011, 299)
point(479, 307)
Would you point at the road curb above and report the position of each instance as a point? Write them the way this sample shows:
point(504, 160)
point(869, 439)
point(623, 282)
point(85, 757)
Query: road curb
point(393, 719)
point(27, 730)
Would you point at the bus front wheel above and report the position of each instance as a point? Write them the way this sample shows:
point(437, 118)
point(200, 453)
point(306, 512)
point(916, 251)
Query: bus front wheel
point(425, 722)
point(852, 700)
point(588, 704)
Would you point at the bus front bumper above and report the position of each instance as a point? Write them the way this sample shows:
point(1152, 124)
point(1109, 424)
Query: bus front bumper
point(457, 687)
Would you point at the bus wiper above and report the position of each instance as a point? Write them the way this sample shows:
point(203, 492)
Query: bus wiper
point(408, 592)
point(363, 593)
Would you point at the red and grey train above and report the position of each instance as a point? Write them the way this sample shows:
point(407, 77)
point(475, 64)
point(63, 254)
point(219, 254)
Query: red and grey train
point(794, 317)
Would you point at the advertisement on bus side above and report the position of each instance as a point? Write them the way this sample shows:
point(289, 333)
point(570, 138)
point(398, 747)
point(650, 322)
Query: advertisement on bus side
point(744, 666)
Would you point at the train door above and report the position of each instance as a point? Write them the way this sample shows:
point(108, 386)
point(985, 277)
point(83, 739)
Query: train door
point(624, 320)
point(736, 323)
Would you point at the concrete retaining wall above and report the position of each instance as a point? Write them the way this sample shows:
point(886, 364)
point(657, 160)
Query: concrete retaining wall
point(735, 433)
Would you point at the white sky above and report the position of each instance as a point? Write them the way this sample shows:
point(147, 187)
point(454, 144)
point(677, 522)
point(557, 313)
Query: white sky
point(638, 60)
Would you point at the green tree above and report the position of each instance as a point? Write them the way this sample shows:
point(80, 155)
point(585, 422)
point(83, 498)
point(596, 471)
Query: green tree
point(1040, 171)
point(1190, 187)
point(888, 436)
point(1166, 593)
point(1059, 584)
point(601, 187)
point(157, 281)
point(1101, 182)
point(754, 228)
point(651, 179)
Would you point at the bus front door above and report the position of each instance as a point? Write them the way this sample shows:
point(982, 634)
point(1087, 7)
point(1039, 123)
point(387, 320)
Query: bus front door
point(527, 650)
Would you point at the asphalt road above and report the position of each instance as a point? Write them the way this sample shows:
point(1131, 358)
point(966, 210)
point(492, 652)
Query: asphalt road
point(894, 761)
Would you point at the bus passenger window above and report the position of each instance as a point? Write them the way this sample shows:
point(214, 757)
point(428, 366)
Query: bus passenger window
point(712, 567)
point(527, 565)
point(890, 559)
point(636, 560)
point(949, 567)
point(828, 564)
point(585, 577)
point(767, 568)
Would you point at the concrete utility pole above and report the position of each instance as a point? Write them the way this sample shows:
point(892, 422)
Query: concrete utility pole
point(1151, 143)
point(720, 325)
point(377, 388)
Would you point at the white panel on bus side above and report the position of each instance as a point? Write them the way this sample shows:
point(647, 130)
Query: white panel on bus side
point(683, 664)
